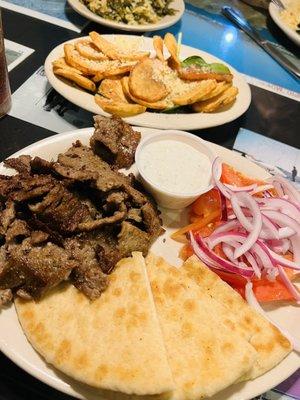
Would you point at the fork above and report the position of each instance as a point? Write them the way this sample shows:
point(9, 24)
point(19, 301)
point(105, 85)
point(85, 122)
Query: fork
point(279, 4)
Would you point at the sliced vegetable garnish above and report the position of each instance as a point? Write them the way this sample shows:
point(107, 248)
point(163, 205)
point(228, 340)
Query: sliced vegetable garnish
point(198, 62)
point(252, 239)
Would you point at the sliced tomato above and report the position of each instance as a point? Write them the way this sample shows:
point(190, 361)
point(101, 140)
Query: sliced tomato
point(207, 203)
point(264, 290)
point(234, 177)
point(186, 251)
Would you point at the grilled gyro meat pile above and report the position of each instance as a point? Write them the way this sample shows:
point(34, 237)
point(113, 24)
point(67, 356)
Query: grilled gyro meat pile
point(73, 218)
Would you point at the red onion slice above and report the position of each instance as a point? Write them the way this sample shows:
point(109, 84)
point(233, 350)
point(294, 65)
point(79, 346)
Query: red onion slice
point(241, 269)
point(282, 205)
point(288, 188)
point(255, 229)
point(216, 173)
point(248, 188)
point(286, 221)
point(252, 301)
point(289, 284)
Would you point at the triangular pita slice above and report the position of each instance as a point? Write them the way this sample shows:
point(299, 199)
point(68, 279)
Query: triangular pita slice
point(267, 340)
point(205, 356)
point(112, 343)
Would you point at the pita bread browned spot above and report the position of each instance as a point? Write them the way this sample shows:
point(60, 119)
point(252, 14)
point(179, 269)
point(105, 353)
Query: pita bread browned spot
point(112, 343)
point(271, 346)
point(205, 355)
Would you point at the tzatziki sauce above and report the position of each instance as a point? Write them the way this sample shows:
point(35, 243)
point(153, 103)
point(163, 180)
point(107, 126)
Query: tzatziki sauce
point(175, 167)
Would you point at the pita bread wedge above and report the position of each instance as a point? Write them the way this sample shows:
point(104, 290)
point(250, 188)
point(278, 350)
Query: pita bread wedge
point(112, 343)
point(204, 355)
point(269, 343)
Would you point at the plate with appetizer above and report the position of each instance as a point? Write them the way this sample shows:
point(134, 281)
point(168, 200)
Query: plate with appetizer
point(133, 16)
point(133, 252)
point(152, 82)
point(288, 19)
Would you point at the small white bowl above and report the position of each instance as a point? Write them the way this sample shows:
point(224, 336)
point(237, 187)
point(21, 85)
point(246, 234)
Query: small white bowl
point(164, 197)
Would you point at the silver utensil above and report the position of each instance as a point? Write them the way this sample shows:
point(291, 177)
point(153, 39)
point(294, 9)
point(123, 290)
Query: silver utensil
point(279, 4)
point(237, 18)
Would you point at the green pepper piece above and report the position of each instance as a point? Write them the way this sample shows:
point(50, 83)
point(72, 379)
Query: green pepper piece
point(193, 61)
point(219, 68)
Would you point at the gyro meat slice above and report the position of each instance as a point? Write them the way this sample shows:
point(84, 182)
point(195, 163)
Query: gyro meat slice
point(113, 52)
point(146, 83)
point(118, 108)
point(195, 93)
point(80, 80)
point(113, 90)
point(158, 105)
point(87, 49)
point(215, 103)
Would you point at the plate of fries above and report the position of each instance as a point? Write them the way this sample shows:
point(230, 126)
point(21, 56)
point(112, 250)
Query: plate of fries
point(151, 82)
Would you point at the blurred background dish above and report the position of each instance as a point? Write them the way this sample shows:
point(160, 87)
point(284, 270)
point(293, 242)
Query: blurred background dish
point(280, 19)
point(133, 25)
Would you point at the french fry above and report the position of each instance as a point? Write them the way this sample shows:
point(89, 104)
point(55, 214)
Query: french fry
point(61, 63)
point(87, 49)
point(113, 72)
point(158, 45)
point(217, 102)
point(195, 94)
point(220, 88)
point(80, 80)
point(113, 52)
point(118, 108)
point(143, 84)
point(171, 45)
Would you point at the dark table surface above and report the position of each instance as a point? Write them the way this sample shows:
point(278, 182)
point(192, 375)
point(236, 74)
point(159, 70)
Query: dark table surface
point(270, 114)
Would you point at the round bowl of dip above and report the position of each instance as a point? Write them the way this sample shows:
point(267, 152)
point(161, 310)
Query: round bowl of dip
point(175, 167)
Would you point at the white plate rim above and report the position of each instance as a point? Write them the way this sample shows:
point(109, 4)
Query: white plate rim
point(242, 391)
point(190, 121)
point(164, 23)
point(274, 12)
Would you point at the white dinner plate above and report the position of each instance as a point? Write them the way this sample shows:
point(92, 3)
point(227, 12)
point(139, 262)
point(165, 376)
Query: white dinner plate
point(13, 342)
point(189, 121)
point(165, 22)
point(275, 14)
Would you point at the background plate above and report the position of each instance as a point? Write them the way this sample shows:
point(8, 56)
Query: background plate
point(275, 14)
point(162, 24)
point(13, 342)
point(151, 119)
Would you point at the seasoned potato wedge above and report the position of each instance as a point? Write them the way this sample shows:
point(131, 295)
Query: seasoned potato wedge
point(194, 74)
point(171, 45)
point(220, 88)
point(119, 108)
point(158, 45)
point(195, 94)
point(114, 71)
point(113, 52)
point(87, 66)
point(215, 103)
point(143, 83)
point(87, 49)
point(159, 105)
point(80, 80)
point(61, 63)
point(113, 90)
